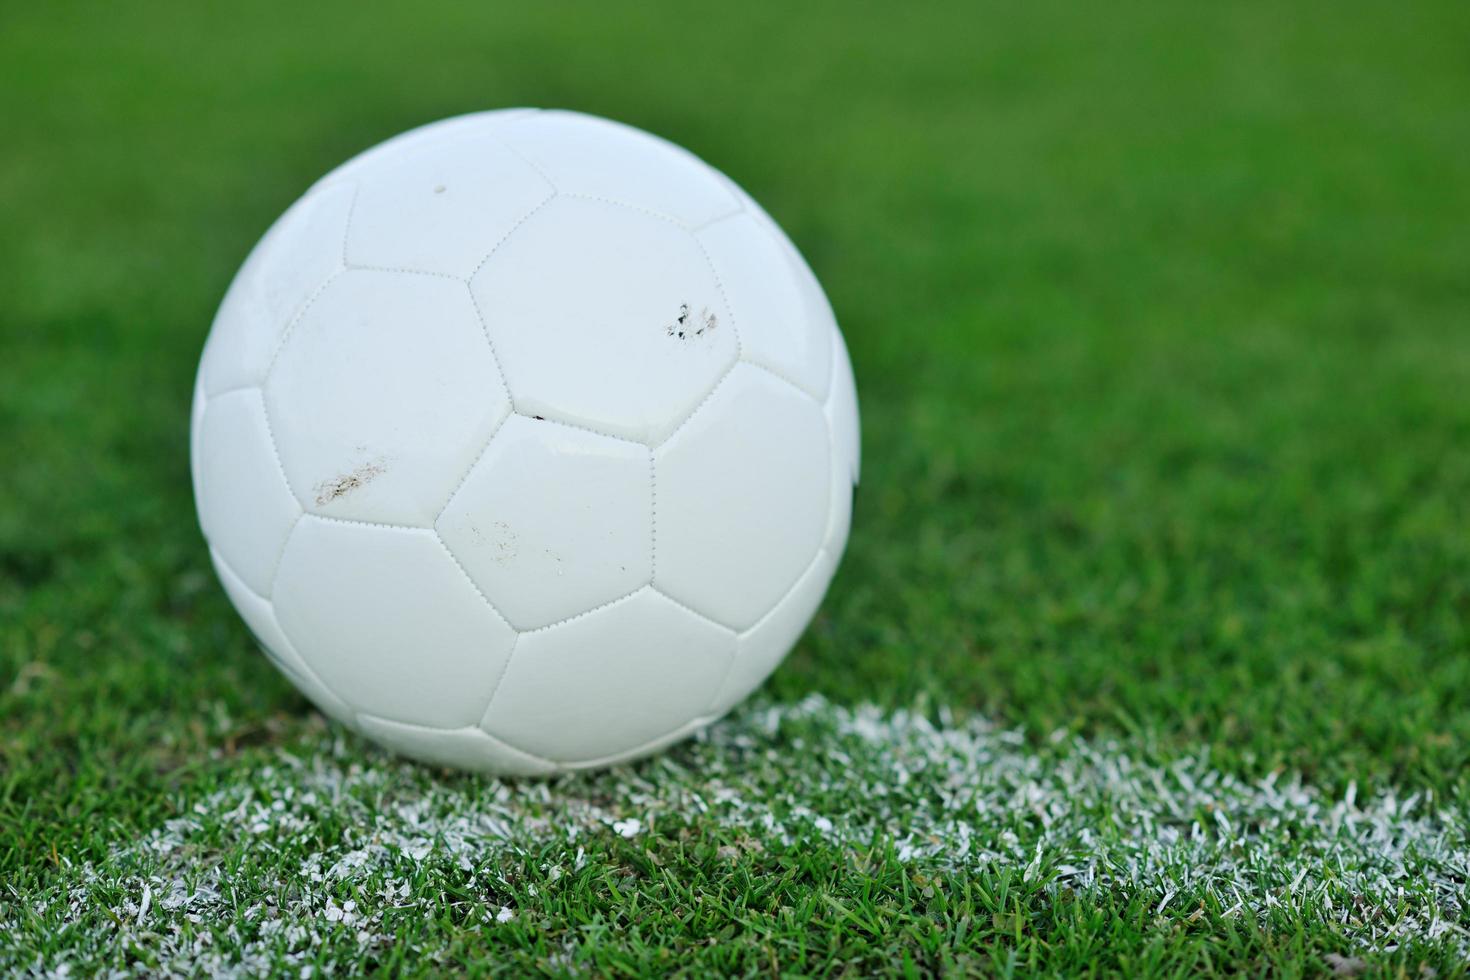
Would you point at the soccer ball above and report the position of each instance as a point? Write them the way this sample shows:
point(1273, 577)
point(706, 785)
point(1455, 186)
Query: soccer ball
point(525, 441)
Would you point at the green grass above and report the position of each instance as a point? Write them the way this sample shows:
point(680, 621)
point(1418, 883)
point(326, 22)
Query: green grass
point(1161, 322)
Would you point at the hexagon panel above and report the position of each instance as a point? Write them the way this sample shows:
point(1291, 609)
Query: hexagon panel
point(296, 256)
point(605, 317)
point(742, 492)
point(600, 158)
point(842, 408)
point(552, 521)
point(245, 507)
point(813, 297)
point(610, 681)
point(389, 623)
point(260, 618)
point(381, 396)
point(769, 303)
point(460, 748)
point(381, 154)
point(762, 647)
point(641, 750)
point(443, 206)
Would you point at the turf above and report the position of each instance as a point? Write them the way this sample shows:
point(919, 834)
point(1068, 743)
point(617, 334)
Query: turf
point(1159, 316)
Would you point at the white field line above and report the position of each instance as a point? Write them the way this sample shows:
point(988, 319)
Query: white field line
point(955, 798)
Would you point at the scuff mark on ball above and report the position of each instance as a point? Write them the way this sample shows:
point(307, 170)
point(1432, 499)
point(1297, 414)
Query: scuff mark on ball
point(340, 486)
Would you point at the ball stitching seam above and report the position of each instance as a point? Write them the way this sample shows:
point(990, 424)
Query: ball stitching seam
point(473, 584)
point(695, 612)
point(470, 469)
point(403, 270)
point(587, 612)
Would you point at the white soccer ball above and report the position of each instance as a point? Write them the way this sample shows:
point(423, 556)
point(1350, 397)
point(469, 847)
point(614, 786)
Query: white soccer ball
point(525, 441)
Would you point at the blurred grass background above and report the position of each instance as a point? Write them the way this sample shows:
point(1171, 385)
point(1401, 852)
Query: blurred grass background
point(1160, 315)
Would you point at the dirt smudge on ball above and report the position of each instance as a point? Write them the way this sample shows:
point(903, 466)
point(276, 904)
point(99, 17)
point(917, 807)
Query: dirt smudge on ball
point(688, 325)
point(340, 486)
